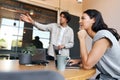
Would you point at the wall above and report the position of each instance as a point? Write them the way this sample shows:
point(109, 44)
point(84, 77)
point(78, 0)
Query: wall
point(68, 5)
point(72, 6)
point(74, 24)
point(109, 9)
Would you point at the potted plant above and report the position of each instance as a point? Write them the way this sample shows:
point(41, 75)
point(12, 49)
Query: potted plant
point(26, 54)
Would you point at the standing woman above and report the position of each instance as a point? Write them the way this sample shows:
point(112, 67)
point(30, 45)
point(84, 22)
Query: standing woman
point(105, 51)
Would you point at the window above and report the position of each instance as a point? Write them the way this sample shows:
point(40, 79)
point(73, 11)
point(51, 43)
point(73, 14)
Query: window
point(12, 30)
point(11, 33)
point(44, 36)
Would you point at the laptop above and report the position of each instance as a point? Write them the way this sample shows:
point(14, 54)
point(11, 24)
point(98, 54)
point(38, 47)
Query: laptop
point(39, 57)
point(75, 66)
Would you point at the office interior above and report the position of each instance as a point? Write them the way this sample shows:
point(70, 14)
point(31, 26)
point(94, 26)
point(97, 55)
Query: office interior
point(14, 33)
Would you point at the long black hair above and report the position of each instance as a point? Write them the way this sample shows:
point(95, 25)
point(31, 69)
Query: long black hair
point(99, 22)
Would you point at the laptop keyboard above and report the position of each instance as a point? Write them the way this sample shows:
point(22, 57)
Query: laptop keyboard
point(75, 66)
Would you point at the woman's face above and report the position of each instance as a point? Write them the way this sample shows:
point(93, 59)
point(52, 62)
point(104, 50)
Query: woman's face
point(86, 22)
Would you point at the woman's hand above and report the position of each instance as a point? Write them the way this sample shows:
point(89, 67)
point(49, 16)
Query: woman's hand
point(82, 34)
point(26, 18)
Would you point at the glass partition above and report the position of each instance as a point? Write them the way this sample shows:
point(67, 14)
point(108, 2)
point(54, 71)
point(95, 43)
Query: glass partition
point(14, 33)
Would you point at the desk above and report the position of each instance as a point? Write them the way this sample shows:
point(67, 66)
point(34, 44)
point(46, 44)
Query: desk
point(69, 74)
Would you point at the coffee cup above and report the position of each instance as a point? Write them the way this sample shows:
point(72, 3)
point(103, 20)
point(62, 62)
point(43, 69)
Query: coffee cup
point(61, 62)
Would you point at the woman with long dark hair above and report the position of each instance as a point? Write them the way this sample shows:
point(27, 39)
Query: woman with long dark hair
point(105, 51)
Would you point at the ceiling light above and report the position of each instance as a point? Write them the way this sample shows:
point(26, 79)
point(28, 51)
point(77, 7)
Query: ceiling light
point(31, 12)
point(79, 1)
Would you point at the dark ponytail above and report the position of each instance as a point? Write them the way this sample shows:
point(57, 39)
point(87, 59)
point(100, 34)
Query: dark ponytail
point(114, 32)
point(99, 22)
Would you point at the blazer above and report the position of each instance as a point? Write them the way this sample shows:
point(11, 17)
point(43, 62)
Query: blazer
point(54, 28)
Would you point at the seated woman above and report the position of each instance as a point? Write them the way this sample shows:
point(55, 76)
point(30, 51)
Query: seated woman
point(105, 51)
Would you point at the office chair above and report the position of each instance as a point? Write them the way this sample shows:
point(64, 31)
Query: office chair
point(31, 75)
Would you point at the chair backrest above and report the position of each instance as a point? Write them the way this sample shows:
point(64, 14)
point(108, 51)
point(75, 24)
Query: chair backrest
point(31, 75)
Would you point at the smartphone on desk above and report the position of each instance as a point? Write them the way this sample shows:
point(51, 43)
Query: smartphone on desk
point(74, 66)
